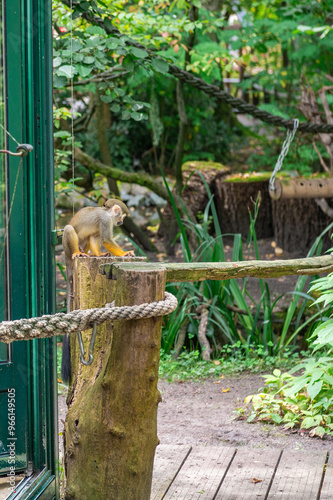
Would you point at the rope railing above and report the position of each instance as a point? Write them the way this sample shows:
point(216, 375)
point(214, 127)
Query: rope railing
point(79, 319)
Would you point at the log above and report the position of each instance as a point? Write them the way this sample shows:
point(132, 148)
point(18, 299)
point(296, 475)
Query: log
point(302, 188)
point(200, 271)
point(111, 425)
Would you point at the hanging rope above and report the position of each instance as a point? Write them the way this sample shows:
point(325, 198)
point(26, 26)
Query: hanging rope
point(78, 320)
point(211, 90)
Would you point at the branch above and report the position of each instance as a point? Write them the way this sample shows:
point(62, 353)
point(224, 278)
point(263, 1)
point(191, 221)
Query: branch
point(107, 75)
point(321, 159)
point(84, 120)
point(140, 178)
point(200, 271)
point(327, 111)
point(203, 310)
point(322, 203)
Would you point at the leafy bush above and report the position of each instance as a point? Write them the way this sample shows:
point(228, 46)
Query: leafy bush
point(305, 400)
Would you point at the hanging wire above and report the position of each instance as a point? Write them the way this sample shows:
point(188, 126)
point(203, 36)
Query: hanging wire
point(10, 135)
point(22, 150)
point(10, 209)
point(72, 106)
point(283, 154)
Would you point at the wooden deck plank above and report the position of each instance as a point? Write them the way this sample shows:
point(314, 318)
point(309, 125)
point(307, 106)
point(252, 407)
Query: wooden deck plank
point(298, 475)
point(201, 474)
point(248, 466)
point(327, 487)
point(168, 460)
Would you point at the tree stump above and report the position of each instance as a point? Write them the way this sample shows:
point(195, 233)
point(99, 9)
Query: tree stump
point(194, 194)
point(236, 196)
point(111, 425)
point(298, 222)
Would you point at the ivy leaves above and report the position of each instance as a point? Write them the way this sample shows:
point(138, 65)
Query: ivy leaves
point(125, 104)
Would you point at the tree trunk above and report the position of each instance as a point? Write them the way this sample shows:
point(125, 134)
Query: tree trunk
point(183, 121)
point(110, 432)
point(103, 121)
point(181, 136)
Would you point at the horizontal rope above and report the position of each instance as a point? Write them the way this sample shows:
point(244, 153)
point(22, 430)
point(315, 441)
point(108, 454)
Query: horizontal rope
point(244, 107)
point(213, 90)
point(79, 319)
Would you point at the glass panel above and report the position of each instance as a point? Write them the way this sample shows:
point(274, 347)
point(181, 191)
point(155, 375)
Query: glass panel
point(3, 254)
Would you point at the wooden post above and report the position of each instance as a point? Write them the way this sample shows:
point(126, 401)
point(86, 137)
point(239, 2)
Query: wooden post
point(111, 425)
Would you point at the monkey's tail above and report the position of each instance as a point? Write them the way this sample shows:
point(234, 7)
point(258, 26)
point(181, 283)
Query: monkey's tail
point(66, 359)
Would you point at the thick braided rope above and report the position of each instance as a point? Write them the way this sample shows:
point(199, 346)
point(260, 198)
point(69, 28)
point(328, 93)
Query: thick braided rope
point(213, 90)
point(244, 107)
point(78, 320)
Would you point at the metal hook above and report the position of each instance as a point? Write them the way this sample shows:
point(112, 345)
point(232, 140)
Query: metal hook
point(21, 150)
point(91, 346)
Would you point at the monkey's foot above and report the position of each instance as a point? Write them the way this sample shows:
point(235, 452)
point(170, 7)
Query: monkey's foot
point(80, 254)
point(129, 254)
point(125, 254)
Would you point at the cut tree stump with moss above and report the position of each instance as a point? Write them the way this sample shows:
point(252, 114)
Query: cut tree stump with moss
point(194, 194)
point(236, 196)
point(298, 222)
point(111, 426)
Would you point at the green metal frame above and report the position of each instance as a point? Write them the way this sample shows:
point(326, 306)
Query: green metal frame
point(32, 370)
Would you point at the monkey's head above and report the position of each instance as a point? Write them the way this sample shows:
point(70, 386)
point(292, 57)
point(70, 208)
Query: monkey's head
point(118, 210)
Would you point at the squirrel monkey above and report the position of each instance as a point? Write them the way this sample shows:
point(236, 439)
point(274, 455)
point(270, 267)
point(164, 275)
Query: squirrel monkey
point(87, 230)
point(91, 226)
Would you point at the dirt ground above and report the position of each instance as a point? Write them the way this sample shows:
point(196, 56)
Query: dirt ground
point(200, 413)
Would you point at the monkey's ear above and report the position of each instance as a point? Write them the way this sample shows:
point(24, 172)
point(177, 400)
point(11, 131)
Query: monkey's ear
point(116, 210)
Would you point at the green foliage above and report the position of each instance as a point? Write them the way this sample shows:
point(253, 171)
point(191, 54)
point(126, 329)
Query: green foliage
point(274, 43)
point(154, 118)
point(323, 334)
point(306, 400)
point(301, 159)
point(231, 318)
point(233, 360)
